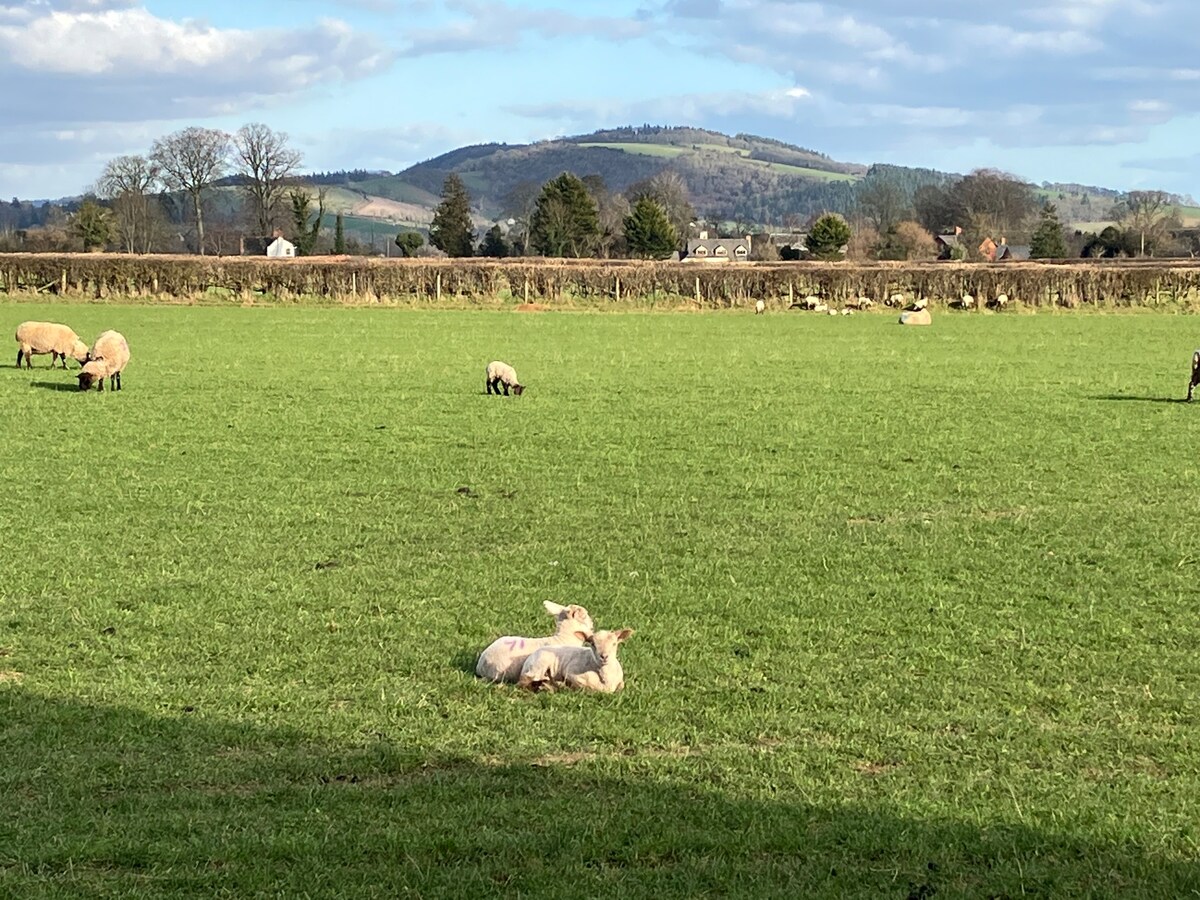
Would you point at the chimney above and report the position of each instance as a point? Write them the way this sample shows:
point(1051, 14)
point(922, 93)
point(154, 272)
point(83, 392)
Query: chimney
point(958, 229)
point(704, 235)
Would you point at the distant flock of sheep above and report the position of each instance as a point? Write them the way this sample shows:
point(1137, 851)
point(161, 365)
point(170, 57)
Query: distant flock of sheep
point(106, 358)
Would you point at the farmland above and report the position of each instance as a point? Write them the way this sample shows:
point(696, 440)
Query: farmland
point(915, 608)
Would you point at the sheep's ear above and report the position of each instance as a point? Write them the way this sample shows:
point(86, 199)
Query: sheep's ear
point(624, 634)
point(583, 636)
point(578, 612)
point(552, 608)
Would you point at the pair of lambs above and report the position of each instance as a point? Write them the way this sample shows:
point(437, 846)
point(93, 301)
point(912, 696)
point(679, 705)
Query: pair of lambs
point(575, 656)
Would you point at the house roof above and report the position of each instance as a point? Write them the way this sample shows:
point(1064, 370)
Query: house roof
point(796, 239)
point(1012, 251)
point(950, 240)
point(711, 244)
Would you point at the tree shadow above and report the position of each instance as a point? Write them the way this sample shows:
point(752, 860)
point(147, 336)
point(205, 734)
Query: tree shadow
point(108, 801)
point(1137, 399)
point(54, 386)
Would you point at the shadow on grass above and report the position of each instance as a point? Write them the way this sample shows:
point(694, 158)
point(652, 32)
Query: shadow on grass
point(54, 386)
point(464, 661)
point(110, 801)
point(1135, 399)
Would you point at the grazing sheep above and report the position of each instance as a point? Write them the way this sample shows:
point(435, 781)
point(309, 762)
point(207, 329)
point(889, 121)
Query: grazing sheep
point(591, 668)
point(107, 359)
point(916, 317)
point(48, 337)
point(502, 375)
point(895, 300)
point(863, 303)
point(760, 307)
point(1000, 302)
point(1195, 375)
point(502, 659)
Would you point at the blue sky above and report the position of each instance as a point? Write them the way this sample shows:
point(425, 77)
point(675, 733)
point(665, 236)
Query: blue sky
point(1100, 92)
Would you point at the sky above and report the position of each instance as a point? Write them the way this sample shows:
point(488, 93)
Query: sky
point(1101, 92)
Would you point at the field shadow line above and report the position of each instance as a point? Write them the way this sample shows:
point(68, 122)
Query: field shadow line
point(54, 386)
point(1136, 399)
point(78, 763)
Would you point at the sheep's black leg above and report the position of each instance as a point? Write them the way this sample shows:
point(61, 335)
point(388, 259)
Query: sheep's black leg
point(505, 388)
point(116, 380)
point(20, 354)
point(491, 386)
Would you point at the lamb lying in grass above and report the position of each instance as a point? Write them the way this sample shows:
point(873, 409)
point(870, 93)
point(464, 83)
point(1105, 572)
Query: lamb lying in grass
point(502, 659)
point(590, 668)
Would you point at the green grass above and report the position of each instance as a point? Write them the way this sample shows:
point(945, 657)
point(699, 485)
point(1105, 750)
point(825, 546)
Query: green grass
point(915, 609)
point(663, 150)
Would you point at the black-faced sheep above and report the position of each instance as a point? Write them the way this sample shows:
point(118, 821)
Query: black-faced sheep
point(502, 375)
point(107, 359)
point(48, 337)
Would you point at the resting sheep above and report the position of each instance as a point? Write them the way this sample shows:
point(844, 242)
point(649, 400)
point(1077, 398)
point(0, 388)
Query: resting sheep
point(503, 375)
point(591, 668)
point(1195, 374)
point(502, 659)
point(48, 337)
point(107, 359)
point(916, 317)
point(759, 307)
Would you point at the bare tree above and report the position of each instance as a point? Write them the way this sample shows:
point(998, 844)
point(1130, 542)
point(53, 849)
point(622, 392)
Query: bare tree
point(130, 183)
point(1146, 214)
point(190, 161)
point(671, 192)
point(263, 158)
point(882, 201)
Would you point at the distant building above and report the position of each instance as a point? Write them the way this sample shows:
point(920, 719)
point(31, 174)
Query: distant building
point(275, 246)
point(792, 245)
point(999, 252)
point(950, 246)
point(281, 247)
point(706, 249)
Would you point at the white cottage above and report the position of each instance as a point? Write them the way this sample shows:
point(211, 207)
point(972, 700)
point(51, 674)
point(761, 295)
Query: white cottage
point(281, 247)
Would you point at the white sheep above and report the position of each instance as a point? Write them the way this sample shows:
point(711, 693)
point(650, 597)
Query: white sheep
point(48, 337)
point(502, 375)
point(820, 307)
point(760, 307)
point(865, 303)
point(831, 312)
point(502, 659)
point(847, 311)
point(107, 359)
point(916, 317)
point(591, 668)
point(895, 300)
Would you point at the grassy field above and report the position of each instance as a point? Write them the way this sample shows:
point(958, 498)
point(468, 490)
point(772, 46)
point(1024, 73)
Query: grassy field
point(672, 151)
point(915, 608)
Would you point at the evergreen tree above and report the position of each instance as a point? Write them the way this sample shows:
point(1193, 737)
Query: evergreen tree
point(409, 242)
point(565, 221)
point(648, 231)
point(451, 230)
point(306, 233)
point(494, 244)
point(1048, 241)
point(339, 235)
point(93, 225)
point(828, 236)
